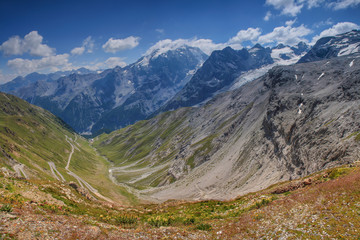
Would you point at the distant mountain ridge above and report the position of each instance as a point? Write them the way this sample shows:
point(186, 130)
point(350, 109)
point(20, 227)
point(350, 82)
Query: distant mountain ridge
point(165, 79)
point(20, 82)
point(339, 45)
point(224, 69)
point(116, 97)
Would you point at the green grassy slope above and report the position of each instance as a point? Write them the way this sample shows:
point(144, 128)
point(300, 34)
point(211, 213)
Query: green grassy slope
point(33, 137)
point(136, 147)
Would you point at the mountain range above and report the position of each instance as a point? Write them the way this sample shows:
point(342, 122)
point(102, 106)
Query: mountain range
point(96, 102)
point(291, 122)
point(240, 135)
point(92, 102)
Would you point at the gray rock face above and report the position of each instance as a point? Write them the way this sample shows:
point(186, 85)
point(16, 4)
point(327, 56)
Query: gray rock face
point(328, 47)
point(291, 122)
point(116, 97)
point(219, 71)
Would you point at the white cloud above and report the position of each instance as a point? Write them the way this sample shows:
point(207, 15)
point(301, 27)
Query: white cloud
point(267, 16)
point(250, 34)
point(115, 61)
point(160, 30)
point(287, 7)
point(4, 78)
point(32, 43)
point(51, 63)
point(314, 3)
point(342, 4)
point(327, 22)
point(287, 35)
point(293, 7)
point(78, 51)
point(206, 45)
point(115, 45)
point(341, 27)
point(290, 22)
point(88, 45)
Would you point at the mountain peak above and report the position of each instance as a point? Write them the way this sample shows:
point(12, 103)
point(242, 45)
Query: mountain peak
point(154, 53)
point(279, 46)
point(333, 46)
point(257, 46)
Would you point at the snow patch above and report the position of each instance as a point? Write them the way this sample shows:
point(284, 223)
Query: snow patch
point(300, 111)
point(250, 76)
point(352, 63)
point(321, 76)
point(191, 72)
point(352, 48)
point(287, 51)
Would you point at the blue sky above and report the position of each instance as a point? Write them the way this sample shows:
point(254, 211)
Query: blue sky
point(47, 36)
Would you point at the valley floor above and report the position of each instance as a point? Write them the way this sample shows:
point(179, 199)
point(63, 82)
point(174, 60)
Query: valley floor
point(323, 205)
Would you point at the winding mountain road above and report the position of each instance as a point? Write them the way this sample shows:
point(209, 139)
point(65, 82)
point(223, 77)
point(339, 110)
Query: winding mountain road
point(81, 181)
point(19, 169)
point(55, 172)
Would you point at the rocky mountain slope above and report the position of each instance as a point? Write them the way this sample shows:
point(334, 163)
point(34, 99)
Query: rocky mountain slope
point(291, 122)
point(339, 45)
point(229, 69)
point(116, 97)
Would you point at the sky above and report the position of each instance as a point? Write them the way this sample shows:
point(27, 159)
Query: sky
point(46, 36)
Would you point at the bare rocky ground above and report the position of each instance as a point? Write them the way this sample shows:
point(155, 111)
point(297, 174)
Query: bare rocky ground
point(324, 205)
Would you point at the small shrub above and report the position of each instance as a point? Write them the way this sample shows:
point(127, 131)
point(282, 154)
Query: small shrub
point(159, 221)
point(126, 220)
point(357, 138)
point(335, 173)
point(261, 203)
point(204, 227)
point(258, 216)
point(189, 221)
point(9, 187)
point(6, 208)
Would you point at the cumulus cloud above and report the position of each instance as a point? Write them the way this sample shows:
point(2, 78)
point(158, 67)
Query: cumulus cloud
point(314, 3)
point(78, 51)
point(250, 34)
point(31, 43)
point(267, 16)
point(341, 27)
point(293, 7)
point(88, 45)
point(115, 61)
point(342, 4)
point(51, 63)
point(285, 34)
point(290, 22)
point(116, 45)
point(287, 7)
point(206, 45)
